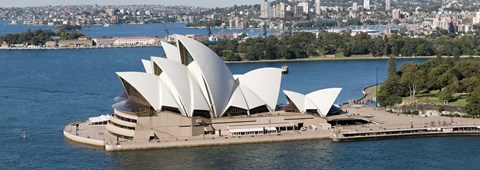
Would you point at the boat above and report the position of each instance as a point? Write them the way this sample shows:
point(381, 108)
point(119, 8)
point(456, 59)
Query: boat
point(284, 69)
point(106, 25)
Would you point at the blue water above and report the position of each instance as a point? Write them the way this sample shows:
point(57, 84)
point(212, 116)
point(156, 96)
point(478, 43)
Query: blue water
point(41, 91)
point(130, 30)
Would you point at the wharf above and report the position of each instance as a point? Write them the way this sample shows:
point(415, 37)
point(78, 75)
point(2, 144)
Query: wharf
point(392, 125)
point(414, 132)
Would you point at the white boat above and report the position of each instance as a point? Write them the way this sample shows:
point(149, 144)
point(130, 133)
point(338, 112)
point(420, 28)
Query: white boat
point(284, 69)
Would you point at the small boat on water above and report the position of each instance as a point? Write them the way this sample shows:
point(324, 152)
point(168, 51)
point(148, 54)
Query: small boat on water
point(284, 69)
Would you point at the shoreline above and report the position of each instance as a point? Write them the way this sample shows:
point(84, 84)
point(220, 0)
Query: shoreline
point(74, 48)
point(326, 59)
point(99, 140)
point(382, 125)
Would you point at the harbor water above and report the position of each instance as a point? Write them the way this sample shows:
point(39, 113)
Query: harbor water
point(43, 90)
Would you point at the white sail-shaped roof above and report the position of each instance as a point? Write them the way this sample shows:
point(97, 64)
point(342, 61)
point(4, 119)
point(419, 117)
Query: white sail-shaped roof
point(217, 78)
point(252, 99)
point(297, 99)
point(182, 85)
point(265, 83)
point(237, 100)
point(150, 87)
point(146, 84)
point(321, 100)
point(171, 52)
point(193, 78)
point(147, 64)
point(324, 99)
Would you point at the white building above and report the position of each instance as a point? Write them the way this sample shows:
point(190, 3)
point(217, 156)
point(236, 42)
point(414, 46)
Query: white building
point(355, 6)
point(132, 41)
point(388, 5)
point(366, 4)
point(192, 92)
point(318, 9)
point(279, 10)
point(476, 19)
point(265, 9)
point(305, 7)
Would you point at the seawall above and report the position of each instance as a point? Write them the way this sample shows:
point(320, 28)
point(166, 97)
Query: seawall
point(216, 142)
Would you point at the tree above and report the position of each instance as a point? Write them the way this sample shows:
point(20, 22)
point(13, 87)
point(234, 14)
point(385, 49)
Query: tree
point(389, 92)
point(446, 95)
point(391, 67)
point(360, 44)
point(396, 21)
point(473, 105)
point(378, 46)
point(413, 77)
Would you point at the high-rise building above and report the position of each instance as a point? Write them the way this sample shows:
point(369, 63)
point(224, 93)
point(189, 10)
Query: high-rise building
point(396, 14)
point(476, 19)
point(388, 4)
point(264, 9)
point(280, 10)
point(366, 4)
point(355, 6)
point(304, 6)
point(317, 7)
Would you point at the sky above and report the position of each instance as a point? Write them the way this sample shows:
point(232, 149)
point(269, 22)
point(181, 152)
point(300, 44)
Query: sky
point(200, 3)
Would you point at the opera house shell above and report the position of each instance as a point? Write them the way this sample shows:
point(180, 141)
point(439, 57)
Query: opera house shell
point(315, 102)
point(193, 81)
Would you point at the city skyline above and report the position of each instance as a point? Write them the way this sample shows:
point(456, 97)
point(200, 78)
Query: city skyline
point(201, 3)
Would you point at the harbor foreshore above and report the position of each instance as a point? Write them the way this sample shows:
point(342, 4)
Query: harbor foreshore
point(381, 125)
point(360, 122)
point(97, 137)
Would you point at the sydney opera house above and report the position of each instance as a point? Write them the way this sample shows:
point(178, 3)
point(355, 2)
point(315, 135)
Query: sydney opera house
point(191, 93)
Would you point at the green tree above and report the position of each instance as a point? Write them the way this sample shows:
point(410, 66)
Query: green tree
point(391, 67)
point(378, 46)
point(389, 92)
point(413, 77)
point(473, 105)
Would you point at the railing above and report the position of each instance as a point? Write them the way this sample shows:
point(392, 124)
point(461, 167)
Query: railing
point(370, 128)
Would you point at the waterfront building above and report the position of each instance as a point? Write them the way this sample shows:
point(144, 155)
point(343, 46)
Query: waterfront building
point(366, 4)
point(81, 42)
point(125, 41)
point(50, 44)
point(104, 42)
point(132, 41)
point(192, 92)
point(5, 44)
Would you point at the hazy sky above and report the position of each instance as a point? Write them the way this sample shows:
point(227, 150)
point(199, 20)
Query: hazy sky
point(201, 3)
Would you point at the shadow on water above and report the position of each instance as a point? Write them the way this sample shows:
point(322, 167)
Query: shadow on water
point(247, 156)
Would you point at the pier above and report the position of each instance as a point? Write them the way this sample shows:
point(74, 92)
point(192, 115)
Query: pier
point(382, 124)
point(413, 132)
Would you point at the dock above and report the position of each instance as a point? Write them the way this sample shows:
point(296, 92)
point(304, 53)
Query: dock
point(413, 132)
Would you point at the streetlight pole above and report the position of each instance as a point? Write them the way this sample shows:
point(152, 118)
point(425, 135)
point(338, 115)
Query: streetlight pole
point(376, 86)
